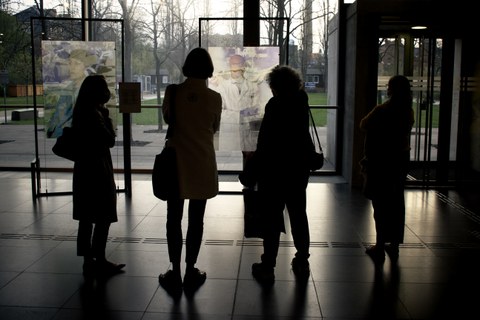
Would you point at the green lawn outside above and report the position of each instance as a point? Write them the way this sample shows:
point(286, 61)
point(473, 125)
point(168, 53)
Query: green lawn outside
point(150, 116)
point(20, 101)
point(319, 115)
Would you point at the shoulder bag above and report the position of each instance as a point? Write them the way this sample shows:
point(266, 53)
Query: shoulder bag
point(256, 222)
point(165, 174)
point(65, 146)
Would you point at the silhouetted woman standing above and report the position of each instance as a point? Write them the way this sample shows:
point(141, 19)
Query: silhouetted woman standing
point(282, 161)
point(94, 191)
point(385, 165)
point(197, 113)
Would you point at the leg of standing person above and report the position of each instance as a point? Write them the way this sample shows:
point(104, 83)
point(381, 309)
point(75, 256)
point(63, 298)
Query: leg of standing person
point(381, 207)
point(297, 211)
point(99, 240)
point(397, 223)
point(99, 245)
point(84, 246)
point(172, 279)
point(196, 211)
point(273, 220)
point(174, 232)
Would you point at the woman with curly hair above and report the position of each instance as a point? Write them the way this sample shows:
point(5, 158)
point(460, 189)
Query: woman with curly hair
point(284, 142)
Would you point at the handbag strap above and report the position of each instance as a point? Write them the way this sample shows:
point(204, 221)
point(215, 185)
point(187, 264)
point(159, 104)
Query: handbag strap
point(315, 129)
point(173, 91)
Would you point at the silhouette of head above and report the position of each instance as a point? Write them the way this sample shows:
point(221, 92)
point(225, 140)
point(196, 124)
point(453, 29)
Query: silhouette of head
point(399, 89)
point(398, 85)
point(198, 64)
point(94, 90)
point(284, 80)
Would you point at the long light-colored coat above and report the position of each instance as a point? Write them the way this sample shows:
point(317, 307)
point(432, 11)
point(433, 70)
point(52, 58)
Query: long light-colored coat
point(197, 118)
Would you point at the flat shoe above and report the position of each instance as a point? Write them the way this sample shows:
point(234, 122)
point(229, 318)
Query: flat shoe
point(392, 252)
point(263, 274)
point(377, 254)
point(172, 283)
point(301, 268)
point(194, 278)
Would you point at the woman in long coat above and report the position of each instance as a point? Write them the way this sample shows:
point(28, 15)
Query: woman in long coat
point(197, 111)
point(385, 165)
point(94, 191)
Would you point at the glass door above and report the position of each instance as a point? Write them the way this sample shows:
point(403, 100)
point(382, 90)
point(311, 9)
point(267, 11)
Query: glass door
point(420, 60)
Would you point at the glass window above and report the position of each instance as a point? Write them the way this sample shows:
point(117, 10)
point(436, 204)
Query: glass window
point(157, 37)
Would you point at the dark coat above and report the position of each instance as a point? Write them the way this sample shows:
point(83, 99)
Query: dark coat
point(387, 148)
point(94, 190)
point(280, 164)
point(284, 143)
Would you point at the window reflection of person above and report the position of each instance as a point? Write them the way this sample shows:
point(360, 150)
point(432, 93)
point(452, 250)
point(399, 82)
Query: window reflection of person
point(79, 63)
point(239, 107)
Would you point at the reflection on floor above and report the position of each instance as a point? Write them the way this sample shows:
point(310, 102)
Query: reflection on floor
point(436, 277)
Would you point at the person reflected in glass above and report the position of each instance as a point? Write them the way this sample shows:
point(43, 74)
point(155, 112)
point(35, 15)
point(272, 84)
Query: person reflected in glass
point(94, 189)
point(385, 165)
point(64, 94)
point(282, 168)
point(197, 115)
point(240, 107)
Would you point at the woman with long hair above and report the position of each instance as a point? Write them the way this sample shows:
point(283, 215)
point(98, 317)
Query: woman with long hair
point(94, 190)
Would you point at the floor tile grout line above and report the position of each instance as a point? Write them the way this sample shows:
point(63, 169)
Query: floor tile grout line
point(317, 294)
point(242, 242)
point(237, 283)
point(466, 212)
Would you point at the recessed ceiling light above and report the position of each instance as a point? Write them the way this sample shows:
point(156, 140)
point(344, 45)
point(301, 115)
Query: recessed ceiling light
point(419, 27)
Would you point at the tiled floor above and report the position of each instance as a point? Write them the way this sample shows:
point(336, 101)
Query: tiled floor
point(437, 276)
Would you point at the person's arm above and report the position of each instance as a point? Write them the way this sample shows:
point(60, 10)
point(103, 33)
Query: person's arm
point(166, 104)
point(367, 121)
point(105, 127)
point(218, 116)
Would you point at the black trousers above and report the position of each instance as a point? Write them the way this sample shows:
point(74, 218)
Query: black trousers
point(389, 214)
point(387, 192)
point(92, 246)
point(295, 201)
point(196, 212)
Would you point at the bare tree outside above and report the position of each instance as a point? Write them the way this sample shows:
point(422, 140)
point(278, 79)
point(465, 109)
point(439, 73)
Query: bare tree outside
point(312, 43)
point(167, 29)
point(130, 23)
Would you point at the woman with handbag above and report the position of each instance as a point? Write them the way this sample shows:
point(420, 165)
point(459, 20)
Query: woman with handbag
point(282, 165)
point(94, 190)
point(197, 111)
point(385, 166)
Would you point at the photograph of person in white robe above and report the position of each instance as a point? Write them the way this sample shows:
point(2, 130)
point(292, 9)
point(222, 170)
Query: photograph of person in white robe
point(240, 80)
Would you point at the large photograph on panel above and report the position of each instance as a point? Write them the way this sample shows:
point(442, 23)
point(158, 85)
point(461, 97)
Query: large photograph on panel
point(239, 77)
point(65, 64)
